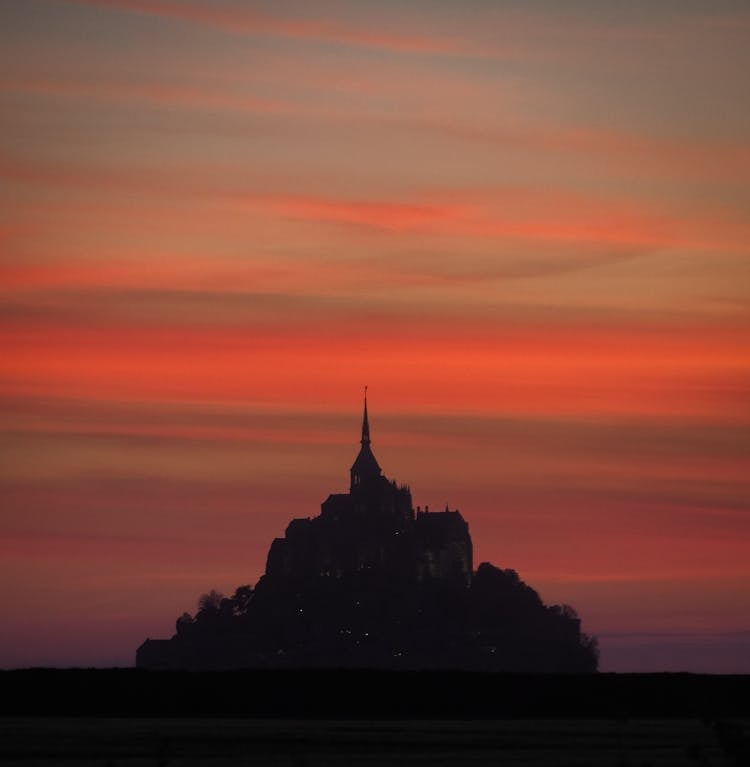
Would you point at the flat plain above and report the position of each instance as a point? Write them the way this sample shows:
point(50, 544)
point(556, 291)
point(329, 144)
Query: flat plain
point(142, 742)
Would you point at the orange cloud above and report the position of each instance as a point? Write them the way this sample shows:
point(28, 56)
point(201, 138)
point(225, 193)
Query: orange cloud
point(646, 154)
point(249, 22)
point(512, 213)
point(397, 216)
point(698, 372)
point(525, 214)
point(154, 93)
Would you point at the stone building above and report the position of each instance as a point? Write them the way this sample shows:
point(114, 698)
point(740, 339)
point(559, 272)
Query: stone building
point(374, 526)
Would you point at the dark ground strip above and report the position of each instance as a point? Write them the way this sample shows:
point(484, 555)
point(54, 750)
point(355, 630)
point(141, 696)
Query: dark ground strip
point(355, 694)
point(197, 742)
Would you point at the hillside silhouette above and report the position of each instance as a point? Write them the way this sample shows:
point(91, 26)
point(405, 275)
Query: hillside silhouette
point(370, 583)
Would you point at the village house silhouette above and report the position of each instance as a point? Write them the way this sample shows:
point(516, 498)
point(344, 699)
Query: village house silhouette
point(369, 583)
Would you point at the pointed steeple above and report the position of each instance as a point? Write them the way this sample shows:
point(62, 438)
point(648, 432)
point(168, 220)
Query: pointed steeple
point(365, 471)
point(365, 425)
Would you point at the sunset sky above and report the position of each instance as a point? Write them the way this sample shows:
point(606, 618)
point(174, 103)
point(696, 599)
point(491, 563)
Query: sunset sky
point(524, 225)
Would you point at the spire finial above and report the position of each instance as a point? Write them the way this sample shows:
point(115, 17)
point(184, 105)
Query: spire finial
point(365, 424)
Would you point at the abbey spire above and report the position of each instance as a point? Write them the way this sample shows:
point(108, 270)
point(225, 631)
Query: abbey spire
point(365, 472)
point(365, 425)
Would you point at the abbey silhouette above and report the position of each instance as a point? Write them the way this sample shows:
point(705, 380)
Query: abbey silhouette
point(369, 583)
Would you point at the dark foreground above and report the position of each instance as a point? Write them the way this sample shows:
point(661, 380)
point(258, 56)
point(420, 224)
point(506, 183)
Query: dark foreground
point(129, 718)
point(313, 743)
point(352, 694)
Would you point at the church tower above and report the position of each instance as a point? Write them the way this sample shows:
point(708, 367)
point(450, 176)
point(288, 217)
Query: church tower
point(373, 527)
point(366, 474)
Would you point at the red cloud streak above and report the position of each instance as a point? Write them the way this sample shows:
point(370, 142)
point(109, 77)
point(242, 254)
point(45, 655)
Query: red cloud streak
point(547, 369)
